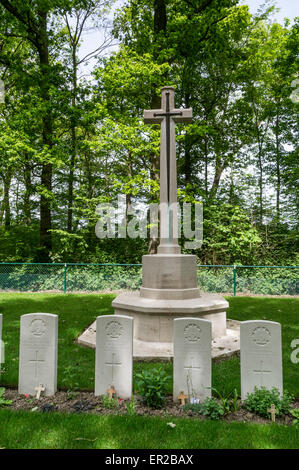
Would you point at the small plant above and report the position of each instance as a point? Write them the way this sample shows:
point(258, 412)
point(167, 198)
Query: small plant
point(69, 378)
point(4, 402)
point(224, 400)
point(295, 413)
point(194, 407)
point(212, 408)
point(131, 407)
point(152, 386)
point(261, 399)
point(110, 403)
point(235, 405)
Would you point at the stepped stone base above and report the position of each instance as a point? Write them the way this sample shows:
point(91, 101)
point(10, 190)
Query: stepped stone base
point(153, 318)
point(169, 290)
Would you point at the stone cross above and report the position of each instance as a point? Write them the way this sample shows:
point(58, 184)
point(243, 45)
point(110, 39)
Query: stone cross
point(112, 364)
point(36, 362)
point(192, 367)
point(182, 397)
point(38, 390)
point(273, 411)
point(262, 371)
point(167, 116)
point(111, 391)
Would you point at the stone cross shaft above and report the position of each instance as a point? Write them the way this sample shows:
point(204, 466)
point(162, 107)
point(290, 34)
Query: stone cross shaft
point(167, 116)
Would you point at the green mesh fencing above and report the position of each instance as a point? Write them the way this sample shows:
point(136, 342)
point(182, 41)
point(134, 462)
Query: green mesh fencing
point(71, 277)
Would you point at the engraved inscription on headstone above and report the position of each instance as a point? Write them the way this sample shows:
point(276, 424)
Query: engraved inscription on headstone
point(38, 353)
point(261, 358)
point(192, 358)
point(114, 355)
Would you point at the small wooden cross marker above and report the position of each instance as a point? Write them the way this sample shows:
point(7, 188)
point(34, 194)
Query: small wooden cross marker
point(182, 397)
point(111, 391)
point(38, 390)
point(273, 411)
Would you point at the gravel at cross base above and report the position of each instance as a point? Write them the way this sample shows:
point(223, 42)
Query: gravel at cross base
point(87, 402)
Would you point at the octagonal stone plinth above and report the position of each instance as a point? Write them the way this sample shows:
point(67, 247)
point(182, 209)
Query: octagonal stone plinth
point(153, 318)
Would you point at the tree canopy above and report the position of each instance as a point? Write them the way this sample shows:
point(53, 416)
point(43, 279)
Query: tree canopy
point(70, 140)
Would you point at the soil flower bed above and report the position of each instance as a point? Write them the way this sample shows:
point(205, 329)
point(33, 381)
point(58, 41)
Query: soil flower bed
point(87, 402)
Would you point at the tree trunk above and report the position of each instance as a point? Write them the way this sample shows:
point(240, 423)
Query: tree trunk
point(187, 162)
point(278, 177)
point(27, 194)
point(5, 203)
point(73, 146)
point(47, 137)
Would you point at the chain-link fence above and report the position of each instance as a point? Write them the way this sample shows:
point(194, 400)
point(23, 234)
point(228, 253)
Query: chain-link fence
point(71, 277)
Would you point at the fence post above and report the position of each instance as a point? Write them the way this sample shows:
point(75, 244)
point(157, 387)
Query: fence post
point(235, 281)
point(64, 283)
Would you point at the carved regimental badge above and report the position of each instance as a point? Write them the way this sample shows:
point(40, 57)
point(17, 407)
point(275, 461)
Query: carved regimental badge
point(114, 329)
point(192, 333)
point(38, 327)
point(261, 336)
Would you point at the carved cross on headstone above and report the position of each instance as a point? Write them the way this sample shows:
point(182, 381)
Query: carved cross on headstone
point(182, 397)
point(273, 411)
point(262, 372)
point(111, 391)
point(36, 361)
point(38, 390)
point(191, 367)
point(167, 116)
point(112, 365)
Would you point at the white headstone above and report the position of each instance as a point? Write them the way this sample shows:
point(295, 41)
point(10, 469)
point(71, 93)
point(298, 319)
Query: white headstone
point(261, 358)
point(114, 355)
point(192, 358)
point(38, 353)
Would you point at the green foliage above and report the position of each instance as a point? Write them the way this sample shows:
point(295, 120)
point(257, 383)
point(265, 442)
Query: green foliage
point(295, 412)
point(210, 407)
point(70, 380)
point(90, 278)
point(194, 407)
point(68, 144)
point(261, 399)
point(4, 402)
point(152, 386)
point(109, 403)
point(227, 402)
point(131, 406)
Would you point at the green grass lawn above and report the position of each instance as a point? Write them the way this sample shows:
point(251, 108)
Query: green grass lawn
point(25, 430)
point(76, 369)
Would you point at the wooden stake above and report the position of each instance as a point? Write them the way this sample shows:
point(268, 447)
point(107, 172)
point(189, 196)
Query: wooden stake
point(273, 411)
point(111, 391)
point(182, 397)
point(38, 390)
